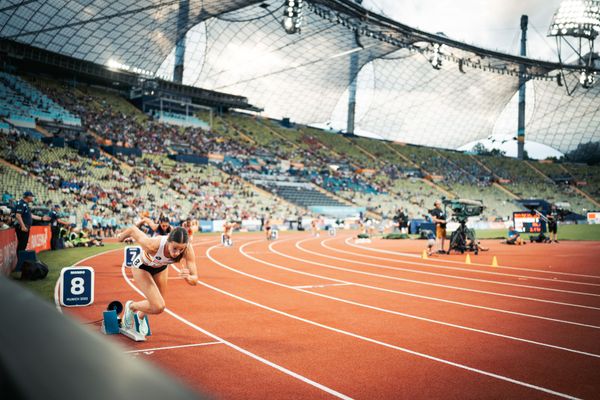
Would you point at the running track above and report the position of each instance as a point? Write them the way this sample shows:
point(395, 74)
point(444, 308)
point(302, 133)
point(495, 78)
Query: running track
point(305, 317)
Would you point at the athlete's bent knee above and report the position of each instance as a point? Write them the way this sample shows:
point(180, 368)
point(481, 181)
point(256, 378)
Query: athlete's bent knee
point(157, 308)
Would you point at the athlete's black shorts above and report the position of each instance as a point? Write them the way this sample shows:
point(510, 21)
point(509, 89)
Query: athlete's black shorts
point(153, 270)
point(552, 227)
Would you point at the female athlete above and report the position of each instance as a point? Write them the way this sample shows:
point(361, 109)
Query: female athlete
point(150, 270)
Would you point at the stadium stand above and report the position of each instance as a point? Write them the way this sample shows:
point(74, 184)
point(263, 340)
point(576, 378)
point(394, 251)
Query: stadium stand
point(527, 183)
point(23, 104)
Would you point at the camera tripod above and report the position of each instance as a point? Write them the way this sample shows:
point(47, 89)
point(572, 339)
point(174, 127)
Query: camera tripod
point(463, 239)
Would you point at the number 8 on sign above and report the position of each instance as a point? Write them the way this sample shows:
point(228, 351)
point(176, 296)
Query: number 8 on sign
point(76, 286)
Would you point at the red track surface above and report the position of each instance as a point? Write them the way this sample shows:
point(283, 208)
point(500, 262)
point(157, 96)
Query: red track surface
point(307, 317)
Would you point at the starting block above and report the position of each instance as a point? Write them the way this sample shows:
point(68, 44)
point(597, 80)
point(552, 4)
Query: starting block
point(332, 231)
point(226, 242)
point(111, 325)
point(362, 240)
point(134, 333)
point(274, 234)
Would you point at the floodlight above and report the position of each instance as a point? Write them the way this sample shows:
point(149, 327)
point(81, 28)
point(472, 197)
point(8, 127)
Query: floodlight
point(292, 16)
point(576, 18)
point(575, 25)
point(587, 79)
point(436, 58)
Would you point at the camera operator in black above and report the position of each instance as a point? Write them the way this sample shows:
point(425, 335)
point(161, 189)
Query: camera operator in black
point(438, 216)
point(55, 223)
point(402, 220)
point(553, 224)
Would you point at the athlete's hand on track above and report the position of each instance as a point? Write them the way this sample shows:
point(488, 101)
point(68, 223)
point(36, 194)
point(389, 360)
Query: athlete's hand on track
point(190, 279)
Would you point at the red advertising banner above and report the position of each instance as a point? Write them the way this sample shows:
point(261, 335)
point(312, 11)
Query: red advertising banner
point(39, 238)
point(8, 251)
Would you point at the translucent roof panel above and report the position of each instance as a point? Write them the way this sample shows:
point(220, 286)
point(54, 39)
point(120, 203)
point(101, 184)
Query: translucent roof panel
point(562, 121)
point(297, 76)
point(138, 33)
point(415, 103)
point(240, 47)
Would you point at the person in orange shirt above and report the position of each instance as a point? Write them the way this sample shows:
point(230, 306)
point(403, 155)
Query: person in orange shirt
point(187, 225)
point(314, 227)
point(228, 228)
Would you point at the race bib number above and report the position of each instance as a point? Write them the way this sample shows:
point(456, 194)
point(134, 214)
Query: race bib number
point(132, 257)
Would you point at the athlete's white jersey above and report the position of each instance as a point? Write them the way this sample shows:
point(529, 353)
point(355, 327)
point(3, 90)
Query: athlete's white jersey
point(159, 259)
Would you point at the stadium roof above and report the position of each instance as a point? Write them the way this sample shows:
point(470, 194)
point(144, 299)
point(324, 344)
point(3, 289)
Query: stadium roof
point(240, 47)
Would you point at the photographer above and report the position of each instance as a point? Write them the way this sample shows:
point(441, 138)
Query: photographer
point(514, 237)
point(55, 223)
point(553, 224)
point(402, 220)
point(439, 217)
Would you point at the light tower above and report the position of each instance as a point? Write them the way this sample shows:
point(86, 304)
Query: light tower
point(522, 83)
point(183, 16)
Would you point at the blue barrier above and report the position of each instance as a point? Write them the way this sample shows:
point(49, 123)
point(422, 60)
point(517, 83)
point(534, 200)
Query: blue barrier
point(189, 158)
point(415, 225)
point(206, 225)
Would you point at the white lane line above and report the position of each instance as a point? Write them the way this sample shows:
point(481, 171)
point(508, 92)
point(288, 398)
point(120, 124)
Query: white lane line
point(411, 255)
point(431, 283)
point(319, 286)
point(301, 289)
point(413, 294)
point(174, 347)
point(452, 276)
point(370, 340)
point(471, 270)
point(242, 350)
point(348, 242)
point(171, 278)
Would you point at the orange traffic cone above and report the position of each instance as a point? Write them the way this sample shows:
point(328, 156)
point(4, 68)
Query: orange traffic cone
point(424, 255)
point(468, 259)
point(494, 262)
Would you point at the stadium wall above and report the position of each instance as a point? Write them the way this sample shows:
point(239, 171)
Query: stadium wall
point(39, 238)
point(8, 250)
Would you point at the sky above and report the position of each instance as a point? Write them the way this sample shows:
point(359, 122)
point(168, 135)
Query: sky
point(493, 24)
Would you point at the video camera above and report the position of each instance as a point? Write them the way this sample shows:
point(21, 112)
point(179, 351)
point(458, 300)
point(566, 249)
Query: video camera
point(464, 208)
